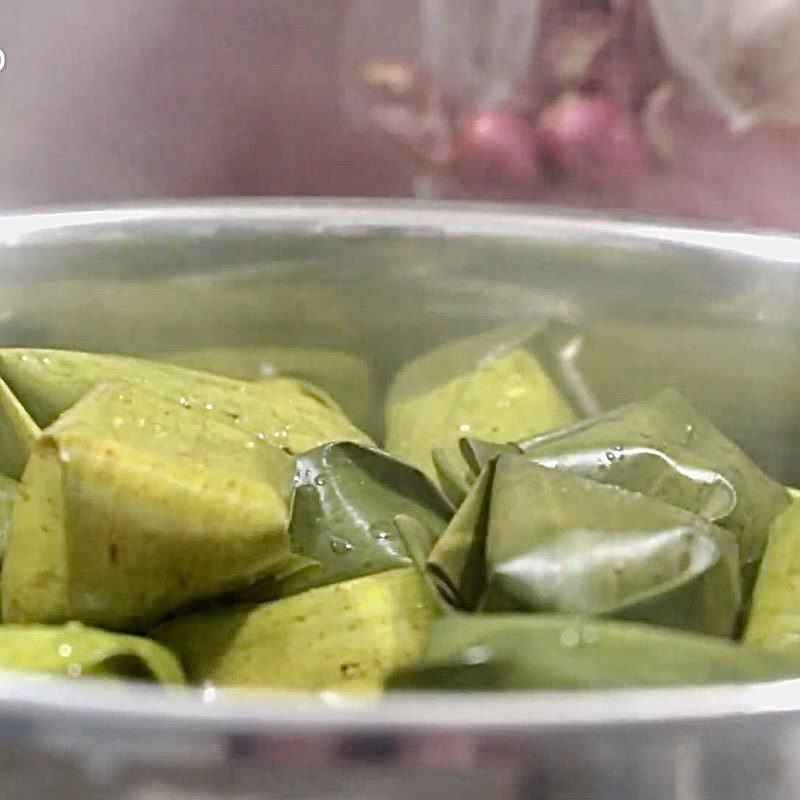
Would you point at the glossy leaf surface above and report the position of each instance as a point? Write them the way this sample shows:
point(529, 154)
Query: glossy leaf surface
point(539, 539)
point(665, 448)
point(485, 652)
point(345, 501)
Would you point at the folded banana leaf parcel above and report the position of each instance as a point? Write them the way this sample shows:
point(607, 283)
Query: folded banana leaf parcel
point(163, 523)
point(500, 385)
point(164, 493)
point(495, 652)
point(348, 607)
point(533, 538)
point(131, 506)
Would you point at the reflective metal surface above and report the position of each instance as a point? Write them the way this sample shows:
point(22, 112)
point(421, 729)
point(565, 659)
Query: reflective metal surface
point(711, 312)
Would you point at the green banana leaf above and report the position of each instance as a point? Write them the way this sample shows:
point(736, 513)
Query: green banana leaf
point(132, 506)
point(774, 619)
point(537, 539)
point(664, 448)
point(18, 432)
point(343, 510)
point(499, 385)
point(8, 494)
point(705, 465)
point(484, 652)
point(453, 483)
point(74, 649)
point(342, 637)
point(347, 377)
point(286, 412)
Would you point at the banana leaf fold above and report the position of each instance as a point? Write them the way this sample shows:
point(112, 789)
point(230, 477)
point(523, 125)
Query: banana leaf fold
point(487, 652)
point(74, 650)
point(343, 509)
point(132, 506)
point(288, 413)
point(501, 385)
point(532, 538)
point(664, 448)
point(18, 433)
point(342, 637)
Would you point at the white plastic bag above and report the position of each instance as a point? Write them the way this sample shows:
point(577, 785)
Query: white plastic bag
point(744, 55)
point(478, 50)
point(412, 68)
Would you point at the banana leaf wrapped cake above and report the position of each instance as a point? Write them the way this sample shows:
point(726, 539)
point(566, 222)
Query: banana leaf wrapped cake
point(205, 518)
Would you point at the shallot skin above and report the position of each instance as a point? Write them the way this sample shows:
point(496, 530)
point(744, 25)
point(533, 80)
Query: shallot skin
point(498, 145)
point(592, 139)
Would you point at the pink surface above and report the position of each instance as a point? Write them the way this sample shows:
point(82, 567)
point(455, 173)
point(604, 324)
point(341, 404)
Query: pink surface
point(107, 100)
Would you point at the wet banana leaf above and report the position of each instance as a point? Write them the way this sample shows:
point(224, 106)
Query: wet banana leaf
point(774, 620)
point(454, 483)
point(478, 453)
point(132, 506)
point(18, 432)
point(345, 501)
point(74, 649)
point(286, 412)
point(458, 558)
point(550, 651)
point(8, 493)
point(500, 385)
point(342, 637)
point(538, 539)
point(347, 377)
point(665, 448)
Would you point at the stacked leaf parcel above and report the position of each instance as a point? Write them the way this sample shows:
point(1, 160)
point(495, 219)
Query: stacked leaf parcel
point(167, 523)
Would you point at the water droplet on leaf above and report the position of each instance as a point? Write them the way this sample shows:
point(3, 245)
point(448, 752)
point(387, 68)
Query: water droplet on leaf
point(570, 637)
point(339, 546)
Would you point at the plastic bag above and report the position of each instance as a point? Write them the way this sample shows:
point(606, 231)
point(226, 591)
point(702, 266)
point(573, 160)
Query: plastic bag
point(478, 51)
point(509, 96)
point(410, 67)
point(743, 54)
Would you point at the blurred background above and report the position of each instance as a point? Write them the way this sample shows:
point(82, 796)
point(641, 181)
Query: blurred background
point(684, 108)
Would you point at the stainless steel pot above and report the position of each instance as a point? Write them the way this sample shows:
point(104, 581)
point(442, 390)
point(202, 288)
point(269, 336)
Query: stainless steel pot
point(712, 312)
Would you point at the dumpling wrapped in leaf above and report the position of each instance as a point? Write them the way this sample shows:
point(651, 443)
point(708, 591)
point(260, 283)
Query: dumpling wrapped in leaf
point(346, 636)
point(538, 539)
point(345, 500)
point(286, 412)
point(500, 385)
point(74, 650)
point(485, 652)
point(663, 447)
point(132, 506)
